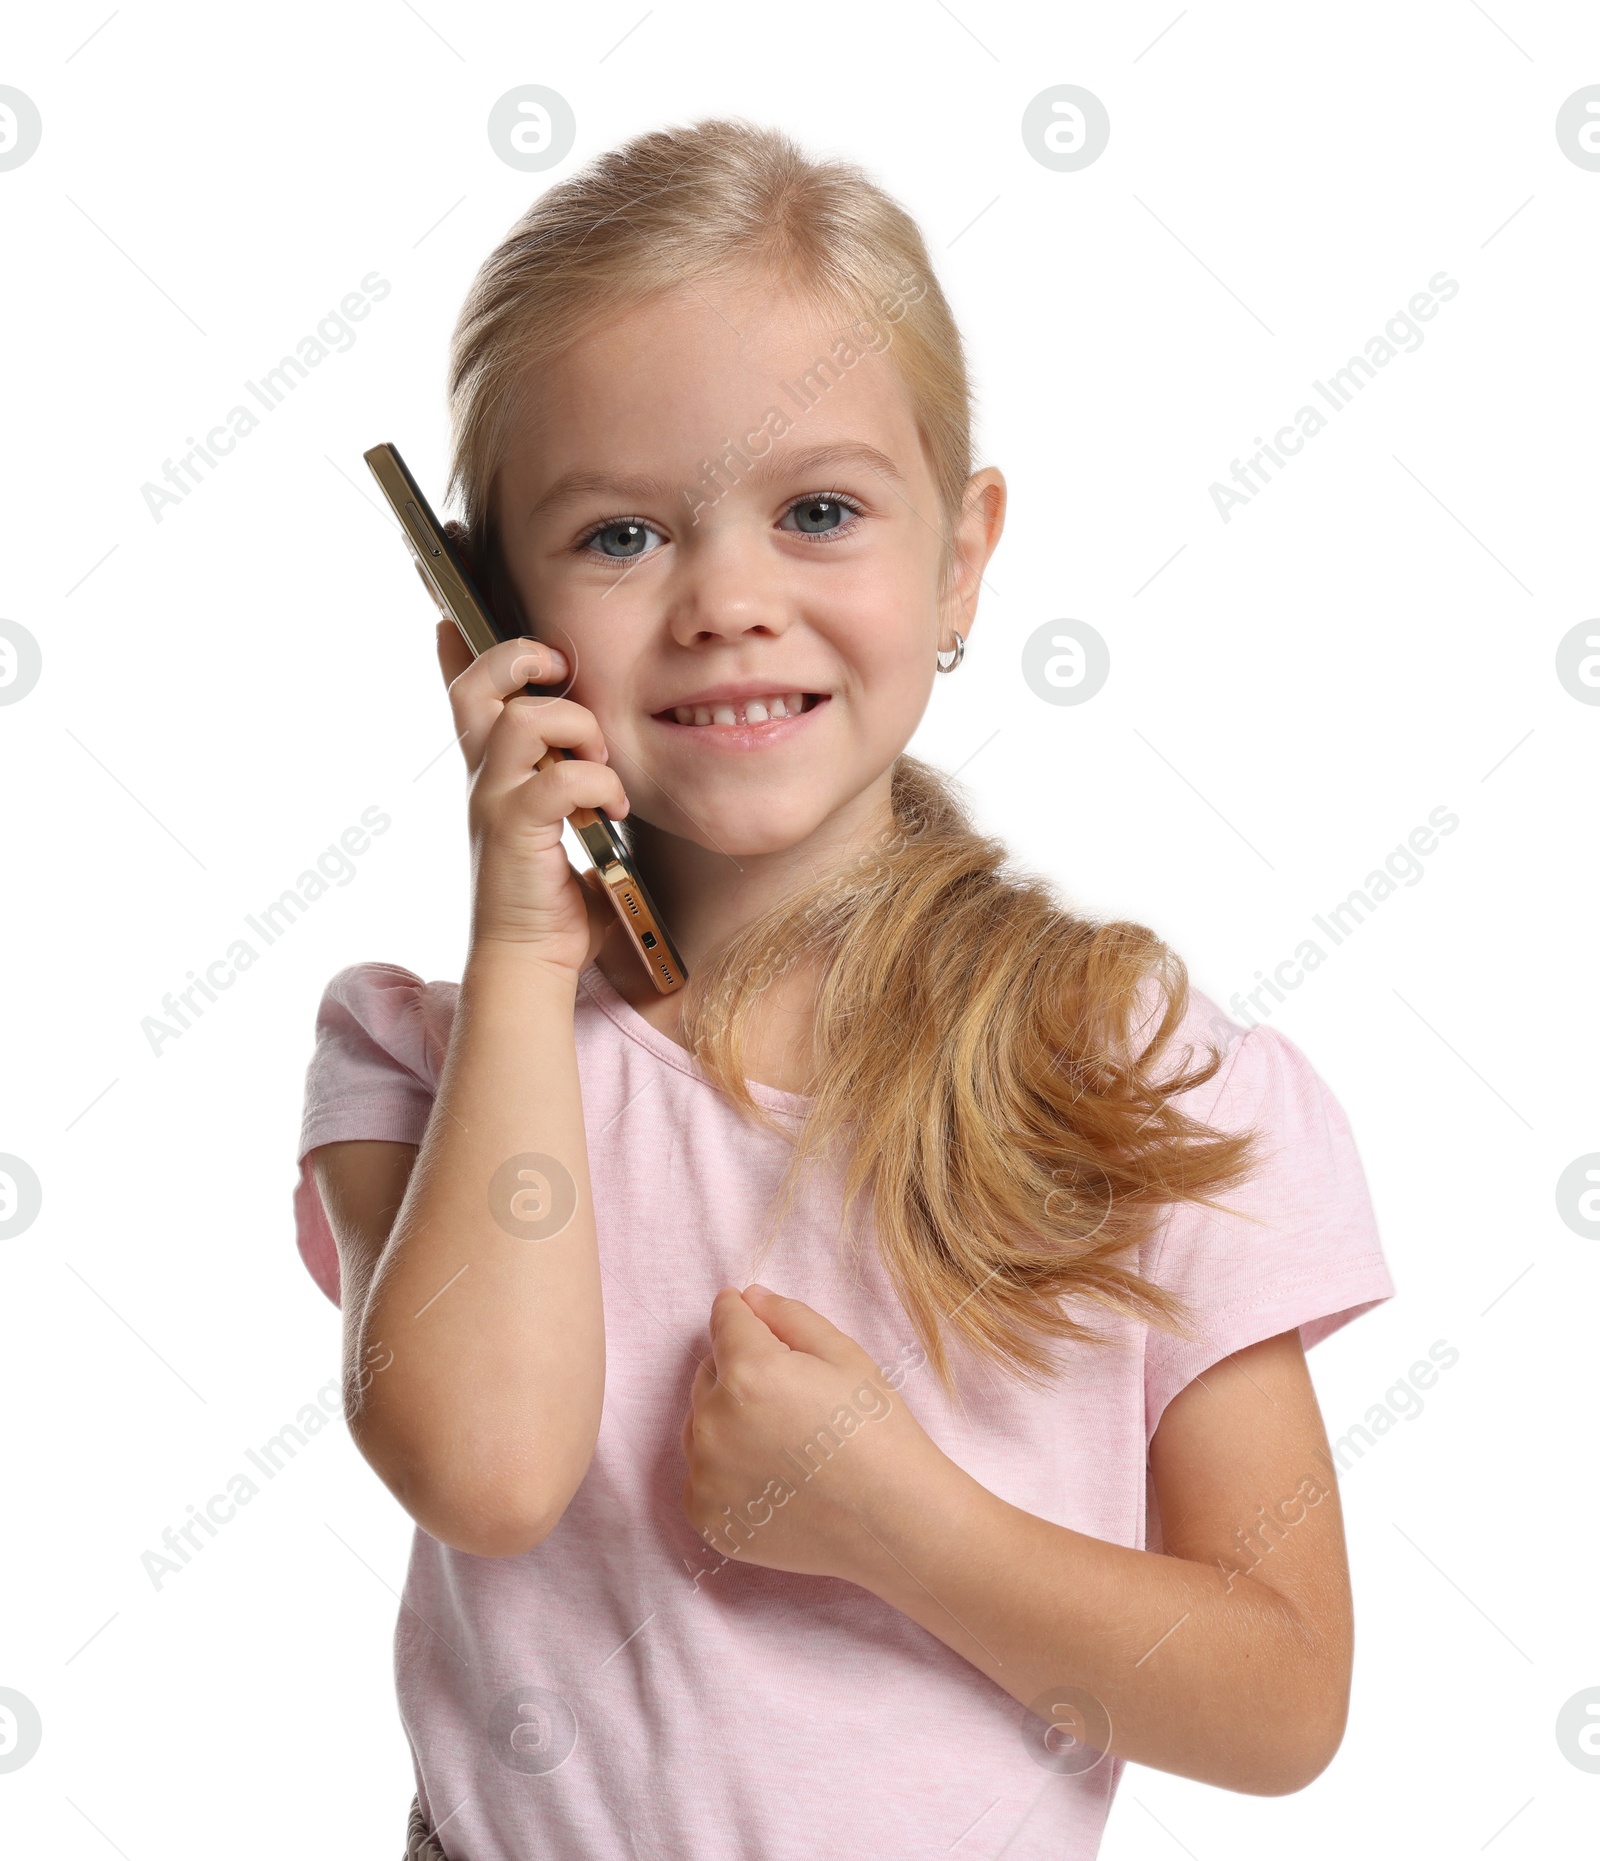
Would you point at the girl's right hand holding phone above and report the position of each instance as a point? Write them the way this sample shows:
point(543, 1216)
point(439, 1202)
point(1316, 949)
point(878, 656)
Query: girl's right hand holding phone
point(525, 891)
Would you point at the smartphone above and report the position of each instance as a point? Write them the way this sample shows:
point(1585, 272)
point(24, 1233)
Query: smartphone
point(446, 577)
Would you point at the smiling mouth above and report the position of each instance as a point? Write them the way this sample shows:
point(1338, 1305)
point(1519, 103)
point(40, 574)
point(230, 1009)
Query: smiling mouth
point(746, 713)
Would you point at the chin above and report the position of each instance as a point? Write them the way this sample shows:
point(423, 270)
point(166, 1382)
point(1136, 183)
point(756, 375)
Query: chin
point(744, 825)
point(745, 838)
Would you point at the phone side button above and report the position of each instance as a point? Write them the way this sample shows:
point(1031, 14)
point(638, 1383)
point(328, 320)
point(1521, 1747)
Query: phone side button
point(415, 515)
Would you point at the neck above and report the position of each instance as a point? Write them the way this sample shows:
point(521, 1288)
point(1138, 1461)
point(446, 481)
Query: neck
point(706, 895)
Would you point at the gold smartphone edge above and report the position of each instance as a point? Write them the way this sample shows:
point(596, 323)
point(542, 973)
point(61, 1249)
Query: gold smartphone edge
point(458, 600)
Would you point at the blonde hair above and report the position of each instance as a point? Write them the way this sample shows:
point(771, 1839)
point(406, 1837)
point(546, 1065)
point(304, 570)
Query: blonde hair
point(993, 1067)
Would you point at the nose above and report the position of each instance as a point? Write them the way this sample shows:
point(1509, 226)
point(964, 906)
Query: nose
point(726, 586)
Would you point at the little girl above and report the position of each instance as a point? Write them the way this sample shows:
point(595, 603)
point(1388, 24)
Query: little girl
point(1007, 1469)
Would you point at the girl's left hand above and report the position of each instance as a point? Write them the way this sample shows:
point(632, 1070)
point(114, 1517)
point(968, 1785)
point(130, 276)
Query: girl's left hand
point(800, 1457)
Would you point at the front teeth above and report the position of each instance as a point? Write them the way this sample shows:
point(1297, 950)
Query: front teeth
point(756, 710)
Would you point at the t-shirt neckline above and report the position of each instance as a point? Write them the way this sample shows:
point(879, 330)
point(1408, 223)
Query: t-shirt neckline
point(617, 1009)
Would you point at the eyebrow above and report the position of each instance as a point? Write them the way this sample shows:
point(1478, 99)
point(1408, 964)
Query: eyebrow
point(762, 470)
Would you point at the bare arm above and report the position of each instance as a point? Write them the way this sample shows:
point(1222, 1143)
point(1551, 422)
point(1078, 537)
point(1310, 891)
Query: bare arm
point(474, 1331)
point(475, 1360)
point(1211, 1659)
point(362, 1184)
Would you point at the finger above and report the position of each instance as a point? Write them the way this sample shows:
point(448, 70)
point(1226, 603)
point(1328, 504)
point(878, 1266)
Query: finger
point(481, 687)
point(525, 729)
point(737, 1333)
point(512, 664)
point(799, 1325)
point(454, 653)
point(560, 722)
point(509, 791)
point(508, 665)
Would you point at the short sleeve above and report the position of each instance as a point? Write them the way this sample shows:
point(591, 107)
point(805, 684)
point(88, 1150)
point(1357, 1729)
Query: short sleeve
point(374, 1068)
point(1300, 1246)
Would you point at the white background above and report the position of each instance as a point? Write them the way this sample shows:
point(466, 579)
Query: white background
point(225, 691)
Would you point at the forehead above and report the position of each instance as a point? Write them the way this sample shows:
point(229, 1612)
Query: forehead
point(677, 379)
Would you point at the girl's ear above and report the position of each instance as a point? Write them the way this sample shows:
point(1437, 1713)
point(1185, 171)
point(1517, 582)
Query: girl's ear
point(977, 531)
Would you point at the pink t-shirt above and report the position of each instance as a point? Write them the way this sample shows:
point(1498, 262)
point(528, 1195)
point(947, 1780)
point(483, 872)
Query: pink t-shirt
point(623, 1692)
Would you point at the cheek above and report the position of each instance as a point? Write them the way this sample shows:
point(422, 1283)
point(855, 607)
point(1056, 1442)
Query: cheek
point(884, 618)
point(891, 651)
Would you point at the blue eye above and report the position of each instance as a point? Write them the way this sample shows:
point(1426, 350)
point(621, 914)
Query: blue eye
point(622, 538)
point(823, 514)
point(815, 516)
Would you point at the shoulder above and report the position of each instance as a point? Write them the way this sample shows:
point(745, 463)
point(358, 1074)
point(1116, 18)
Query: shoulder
point(1261, 1076)
point(379, 1043)
point(1202, 1033)
point(379, 1014)
point(381, 1022)
point(1295, 1243)
point(1266, 1083)
point(378, 989)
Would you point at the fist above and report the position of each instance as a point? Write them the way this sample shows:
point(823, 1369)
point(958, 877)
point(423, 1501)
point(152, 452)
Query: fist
point(800, 1456)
